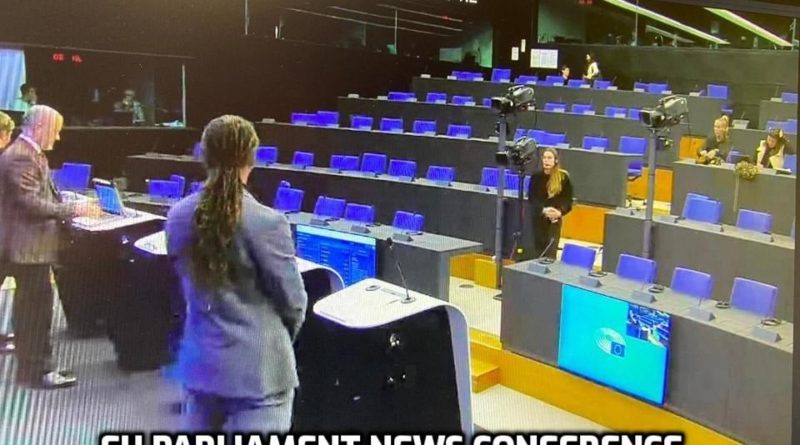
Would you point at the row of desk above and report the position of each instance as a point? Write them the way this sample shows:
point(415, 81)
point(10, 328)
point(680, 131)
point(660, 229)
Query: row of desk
point(484, 122)
point(703, 109)
point(463, 211)
point(775, 111)
point(425, 259)
point(598, 177)
point(769, 192)
point(725, 255)
point(719, 373)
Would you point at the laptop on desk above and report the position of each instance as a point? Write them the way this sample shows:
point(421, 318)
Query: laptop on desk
point(116, 215)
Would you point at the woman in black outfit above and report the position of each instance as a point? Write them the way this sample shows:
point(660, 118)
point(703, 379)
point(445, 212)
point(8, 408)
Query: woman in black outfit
point(550, 196)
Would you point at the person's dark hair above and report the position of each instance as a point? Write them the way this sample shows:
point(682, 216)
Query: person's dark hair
point(25, 88)
point(229, 144)
point(564, 67)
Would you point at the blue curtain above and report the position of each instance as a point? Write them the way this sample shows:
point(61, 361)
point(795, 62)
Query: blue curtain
point(12, 76)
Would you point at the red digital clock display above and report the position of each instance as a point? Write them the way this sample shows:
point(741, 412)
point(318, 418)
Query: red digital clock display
point(61, 58)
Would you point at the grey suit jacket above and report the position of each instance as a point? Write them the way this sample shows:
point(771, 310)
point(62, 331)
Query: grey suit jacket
point(238, 339)
point(31, 213)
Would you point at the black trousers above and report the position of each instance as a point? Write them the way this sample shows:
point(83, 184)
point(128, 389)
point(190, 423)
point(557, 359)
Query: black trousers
point(546, 235)
point(32, 319)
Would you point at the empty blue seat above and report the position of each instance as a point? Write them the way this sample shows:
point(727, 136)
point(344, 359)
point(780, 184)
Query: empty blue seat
point(303, 159)
point(424, 127)
point(501, 75)
point(303, 118)
point(401, 96)
point(402, 169)
point(463, 100)
point(520, 133)
point(512, 181)
point(487, 102)
point(266, 155)
point(489, 177)
point(582, 108)
point(362, 213)
point(637, 146)
point(717, 91)
point(73, 177)
point(197, 150)
point(753, 296)
point(359, 122)
point(789, 97)
point(327, 118)
point(579, 256)
point(163, 189)
point(537, 135)
point(634, 113)
point(392, 125)
point(640, 86)
point(181, 181)
point(555, 107)
point(554, 80)
point(703, 210)
point(790, 162)
point(459, 131)
point(790, 126)
point(591, 142)
point(374, 163)
point(692, 283)
point(436, 98)
point(689, 196)
point(344, 163)
point(775, 124)
point(525, 80)
point(576, 83)
point(553, 139)
point(641, 270)
point(329, 207)
point(732, 156)
point(616, 112)
point(602, 84)
point(288, 199)
point(657, 88)
point(441, 173)
point(467, 75)
point(757, 221)
point(408, 221)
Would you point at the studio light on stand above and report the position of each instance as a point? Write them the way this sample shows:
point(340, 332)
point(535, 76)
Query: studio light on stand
point(518, 98)
point(669, 112)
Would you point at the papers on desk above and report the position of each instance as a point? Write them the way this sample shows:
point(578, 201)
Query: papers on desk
point(103, 224)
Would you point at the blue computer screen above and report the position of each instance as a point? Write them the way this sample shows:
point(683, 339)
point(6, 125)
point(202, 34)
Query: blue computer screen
point(109, 199)
point(611, 341)
point(352, 256)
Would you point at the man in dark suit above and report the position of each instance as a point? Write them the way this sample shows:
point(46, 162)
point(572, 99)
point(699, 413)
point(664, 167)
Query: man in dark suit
point(245, 297)
point(31, 215)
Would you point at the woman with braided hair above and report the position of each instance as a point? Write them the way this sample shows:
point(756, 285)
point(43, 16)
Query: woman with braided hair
point(244, 295)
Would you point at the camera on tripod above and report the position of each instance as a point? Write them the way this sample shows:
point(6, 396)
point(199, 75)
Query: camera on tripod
point(518, 155)
point(518, 98)
point(668, 113)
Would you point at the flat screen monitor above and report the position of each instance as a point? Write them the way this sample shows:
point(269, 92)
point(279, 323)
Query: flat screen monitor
point(352, 256)
point(544, 58)
point(108, 197)
point(616, 343)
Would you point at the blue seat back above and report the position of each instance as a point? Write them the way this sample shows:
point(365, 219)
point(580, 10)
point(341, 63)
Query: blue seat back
point(489, 177)
point(441, 173)
point(266, 155)
point(487, 102)
point(520, 133)
point(512, 181)
point(459, 131)
point(757, 221)
point(775, 124)
point(790, 162)
point(634, 113)
point(579, 256)
point(288, 199)
point(73, 177)
point(163, 189)
point(392, 124)
point(703, 210)
point(689, 196)
point(602, 84)
point(401, 96)
point(303, 159)
point(344, 162)
point(181, 181)
point(590, 142)
point(553, 139)
point(576, 83)
point(692, 283)
point(525, 79)
point(555, 107)
point(359, 122)
point(582, 108)
point(408, 221)
point(657, 88)
point(327, 118)
point(537, 135)
point(641, 86)
point(424, 127)
point(195, 187)
point(753, 296)
point(790, 126)
point(436, 98)
point(374, 163)
point(403, 169)
point(717, 91)
point(789, 97)
point(642, 270)
point(554, 80)
point(616, 111)
point(304, 118)
point(329, 207)
point(463, 100)
point(633, 145)
point(362, 213)
point(501, 75)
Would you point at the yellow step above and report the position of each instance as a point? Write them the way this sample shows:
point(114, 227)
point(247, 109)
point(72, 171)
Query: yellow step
point(484, 375)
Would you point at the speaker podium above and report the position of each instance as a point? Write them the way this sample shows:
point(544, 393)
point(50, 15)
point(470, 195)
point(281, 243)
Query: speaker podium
point(371, 363)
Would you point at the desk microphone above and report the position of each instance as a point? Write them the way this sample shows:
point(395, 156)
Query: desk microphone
point(408, 298)
point(542, 258)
